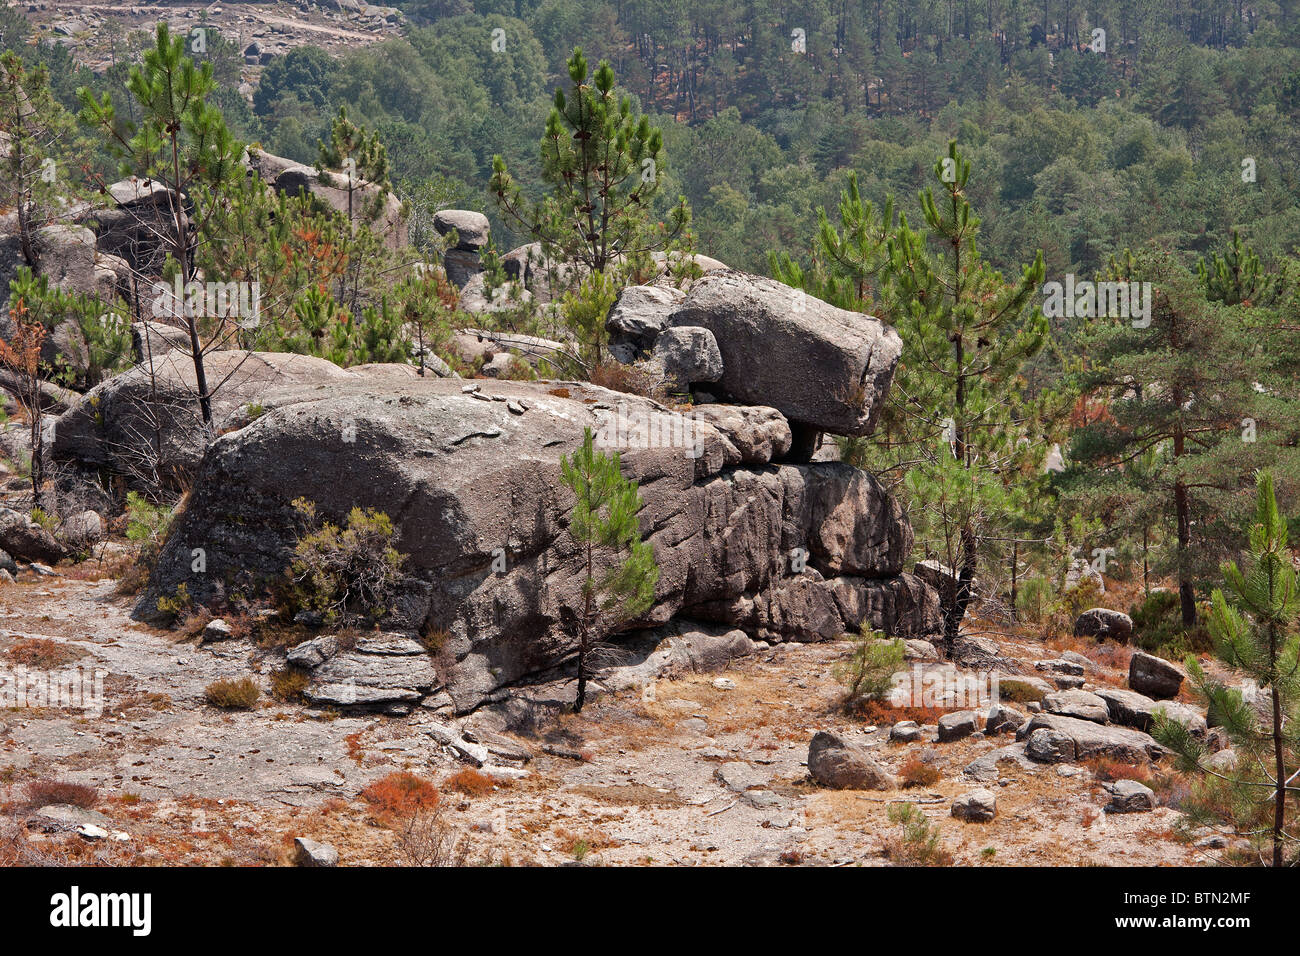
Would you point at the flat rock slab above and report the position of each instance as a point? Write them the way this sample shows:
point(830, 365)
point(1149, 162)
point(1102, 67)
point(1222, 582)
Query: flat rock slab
point(1073, 739)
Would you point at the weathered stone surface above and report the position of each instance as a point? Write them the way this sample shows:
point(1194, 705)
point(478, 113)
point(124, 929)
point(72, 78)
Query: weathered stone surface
point(114, 428)
point(986, 768)
point(64, 818)
point(472, 228)
point(752, 434)
point(378, 668)
point(365, 201)
point(820, 366)
point(1077, 703)
point(1154, 676)
point(310, 853)
point(1060, 666)
point(1003, 719)
point(216, 630)
point(1131, 709)
point(28, 541)
point(1085, 739)
point(83, 529)
point(977, 806)
point(462, 475)
point(151, 340)
point(958, 725)
point(1129, 796)
point(638, 316)
point(738, 776)
point(685, 356)
point(842, 765)
point(139, 225)
point(905, 731)
point(1101, 622)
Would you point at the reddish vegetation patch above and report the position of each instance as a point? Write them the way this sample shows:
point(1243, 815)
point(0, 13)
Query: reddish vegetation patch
point(39, 652)
point(917, 773)
point(401, 794)
point(878, 712)
point(44, 793)
point(470, 782)
point(1107, 769)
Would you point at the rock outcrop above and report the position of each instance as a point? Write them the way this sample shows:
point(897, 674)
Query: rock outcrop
point(470, 475)
point(472, 231)
point(825, 369)
point(362, 200)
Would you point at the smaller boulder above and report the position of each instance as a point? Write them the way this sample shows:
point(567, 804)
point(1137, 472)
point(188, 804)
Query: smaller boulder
point(1003, 719)
point(1077, 703)
point(1154, 676)
point(310, 853)
point(958, 725)
point(836, 763)
point(28, 541)
point(1046, 745)
point(1129, 796)
point(217, 630)
point(905, 731)
point(1101, 623)
point(83, 529)
point(977, 806)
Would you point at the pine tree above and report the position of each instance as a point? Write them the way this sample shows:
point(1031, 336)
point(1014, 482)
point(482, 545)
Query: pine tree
point(180, 141)
point(604, 164)
point(40, 145)
point(1183, 385)
point(976, 433)
point(1236, 277)
point(1254, 632)
point(604, 525)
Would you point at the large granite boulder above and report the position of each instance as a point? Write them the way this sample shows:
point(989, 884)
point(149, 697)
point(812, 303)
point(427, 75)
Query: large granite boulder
point(844, 765)
point(146, 422)
point(823, 368)
point(139, 224)
point(1102, 622)
point(470, 475)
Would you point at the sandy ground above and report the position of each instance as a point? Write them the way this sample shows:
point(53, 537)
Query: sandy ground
point(683, 772)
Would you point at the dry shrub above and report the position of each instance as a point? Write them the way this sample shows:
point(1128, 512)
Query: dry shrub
point(288, 683)
point(191, 625)
point(886, 714)
point(1108, 769)
point(915, 772)
point(558, 392)
point(426, 839)
point(1018, 691)
point(44, 793)
point(231, 694)
point(42, 653)
point(618, 377)
point(916, 841)
point(401, 794)
point(470, 782)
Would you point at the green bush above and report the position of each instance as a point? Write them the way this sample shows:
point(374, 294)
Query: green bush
point(868, 673)
point(345, 574)
point(1158, 628)
point(1036, 600)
